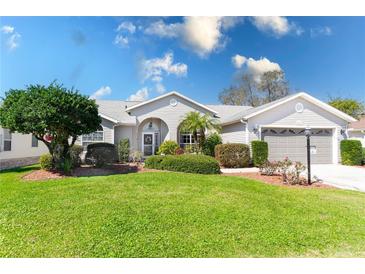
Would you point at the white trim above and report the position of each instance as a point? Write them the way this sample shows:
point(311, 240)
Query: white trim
point(168, 94)
point(310, 99)
point(153, 142)
point(296, 126)
point(108, 118)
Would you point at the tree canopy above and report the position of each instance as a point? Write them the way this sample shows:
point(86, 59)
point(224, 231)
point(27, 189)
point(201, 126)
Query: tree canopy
point(198, 123)
point(351, 107)
point(253, 91)
point(54, 114)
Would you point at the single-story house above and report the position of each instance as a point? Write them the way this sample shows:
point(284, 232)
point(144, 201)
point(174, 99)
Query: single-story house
point(356, 130)
point(147, 124)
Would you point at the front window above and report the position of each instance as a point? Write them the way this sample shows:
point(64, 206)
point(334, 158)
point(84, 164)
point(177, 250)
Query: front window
point(186, 138)
point(94, 137)
point(34, 141)
point(7, 139)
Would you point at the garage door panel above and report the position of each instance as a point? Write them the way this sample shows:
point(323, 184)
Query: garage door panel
point(292, 143)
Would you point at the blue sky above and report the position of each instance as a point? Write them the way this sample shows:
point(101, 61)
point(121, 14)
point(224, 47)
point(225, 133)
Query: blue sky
point(142, 57)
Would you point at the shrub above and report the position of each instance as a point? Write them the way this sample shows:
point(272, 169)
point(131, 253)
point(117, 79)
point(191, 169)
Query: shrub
point(184, 163)
point(136, 156)
point(293, 174)
point(210, 143)
point(46, 162)
point(123, 150)
point(233, 155)
point(192, 149)
point(179, 151)
point(100, 154)
point(154, 161)
point(168, 148)
point(75, 152)
point(351, 152)
point(269, 168)
point(283, 168)
point(363, 155)
point(259, 152)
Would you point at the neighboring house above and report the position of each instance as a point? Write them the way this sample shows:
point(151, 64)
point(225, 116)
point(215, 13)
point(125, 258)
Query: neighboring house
point(281, 123)
point(356, 130)
point(19, 149)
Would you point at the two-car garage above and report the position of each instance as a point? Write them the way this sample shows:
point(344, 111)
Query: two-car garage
point(291, 143)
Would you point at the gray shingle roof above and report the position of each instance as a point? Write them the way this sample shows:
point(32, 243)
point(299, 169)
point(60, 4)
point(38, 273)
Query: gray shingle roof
point(116, 109)
point(226, 111)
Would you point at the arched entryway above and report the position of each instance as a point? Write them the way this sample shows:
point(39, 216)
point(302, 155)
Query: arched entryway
point(151, 133)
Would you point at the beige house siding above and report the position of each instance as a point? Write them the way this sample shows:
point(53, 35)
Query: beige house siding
point(21, 147)
point(234, 133)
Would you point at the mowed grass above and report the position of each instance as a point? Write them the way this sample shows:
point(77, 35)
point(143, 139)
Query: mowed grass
point(167, 214)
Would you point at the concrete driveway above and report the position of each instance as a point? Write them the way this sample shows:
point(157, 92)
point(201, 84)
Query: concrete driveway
point(346, 177)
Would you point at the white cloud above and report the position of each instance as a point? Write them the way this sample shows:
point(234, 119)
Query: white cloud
point(276, 25)
point(326, 31)
point(238, 60)
point(101, 92)
point(202, 35)
point(256, 67)
point(121, 40)
point(140, 95)
point(13, 41)
point(127, 26)
point(7, 29)
point(162, 30)
point(155, 68)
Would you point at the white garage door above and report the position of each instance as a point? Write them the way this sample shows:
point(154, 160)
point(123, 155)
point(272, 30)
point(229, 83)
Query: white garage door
point(292, 143)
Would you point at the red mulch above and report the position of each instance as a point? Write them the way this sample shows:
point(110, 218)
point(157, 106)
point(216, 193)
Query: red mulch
point(275, 180)
point(85, 171)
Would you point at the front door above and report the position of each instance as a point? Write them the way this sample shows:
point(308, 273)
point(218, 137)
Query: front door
point(148, 144)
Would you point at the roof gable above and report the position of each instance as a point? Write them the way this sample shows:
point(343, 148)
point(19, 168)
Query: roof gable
point(169, 94)
point(266, 107)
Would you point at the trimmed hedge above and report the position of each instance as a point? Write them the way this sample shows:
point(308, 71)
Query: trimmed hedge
point(351, 152)
point(188, 163)
point(233, 155)
point(154, 161)
point(260, 152)
point(100, 154)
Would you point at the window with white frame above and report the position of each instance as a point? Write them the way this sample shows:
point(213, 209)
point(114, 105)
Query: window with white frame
point(186, 138)
point(7, 140)
point(94, 137)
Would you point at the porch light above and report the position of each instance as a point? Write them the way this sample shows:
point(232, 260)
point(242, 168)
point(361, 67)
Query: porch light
point(308, 135)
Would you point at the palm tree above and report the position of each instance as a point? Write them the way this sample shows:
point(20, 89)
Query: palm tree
point(197, 124)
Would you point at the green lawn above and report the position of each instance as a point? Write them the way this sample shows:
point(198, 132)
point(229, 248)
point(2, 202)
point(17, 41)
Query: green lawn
point(176, 215)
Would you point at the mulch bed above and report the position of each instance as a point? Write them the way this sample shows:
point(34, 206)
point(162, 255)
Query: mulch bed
point(85, 171)
point(275, 180)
